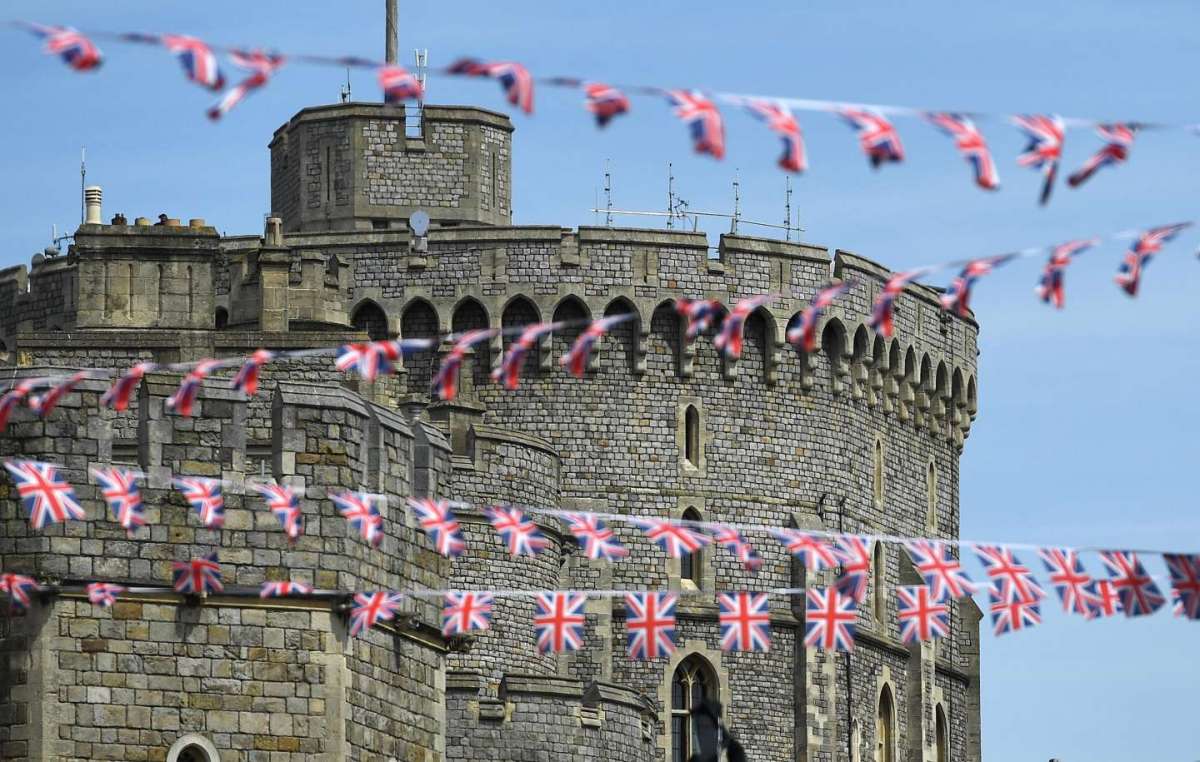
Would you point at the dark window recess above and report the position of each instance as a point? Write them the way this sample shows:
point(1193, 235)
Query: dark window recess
point(125, 452)
point(259, 459)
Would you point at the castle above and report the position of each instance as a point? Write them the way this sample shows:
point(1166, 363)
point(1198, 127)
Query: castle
point(864, 435)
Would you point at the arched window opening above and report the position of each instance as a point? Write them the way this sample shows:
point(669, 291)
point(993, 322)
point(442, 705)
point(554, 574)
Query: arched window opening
point(666, 336)
point(693, 682)
point(756, 347)
point(885, 728)
point(624, 334)
point(193, 753)
point(691, 566)
point(833, 344)
point(193, 748)
point(471, 316)
point(575, 314)
point(941, 735)
point(878, 582)
point(691, 436)
point(521, 312)
point(877, 472)
point(931, 498)
point(419, 321)
point(371, 320)
point(222, 318)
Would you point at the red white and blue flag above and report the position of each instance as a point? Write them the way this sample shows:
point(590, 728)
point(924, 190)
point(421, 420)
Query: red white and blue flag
point(1118, 140)
point(745, 620)
point(19, 589)
point(47, 496)
point(1136, 589)
point(520, 535)
point(361, 512)
point(118, 396)
point(781, 121)
point(80, 53)
point(440, 524)
point(284, 503)
point(922, 617)
point(445, 381)
point(1011, 614)
point(957, 297)
point(650, 622)
point(941, 571)
point(513, 77)
point(877, 136)
point(576, 358)
point(1185, 583)
point(1069, 579)
point(509, 370)
point(369, 610)
point(246, 379)
point(14, 396)
point(199, 576)
point(809, 548)
point(703, 120)
point(1044, 151)
point(803, 335)
point(730, 539)
point(283, 589)
point(558, 622)
point(44, 404)
point(883, 309)
point(854, 558)
point(970, 143)
point(1009, 577)
point(1050, 288)
point(1102, 599)
point(829, 619)
point(699, 314)
point(399, 85)
point(261, 65)
point(605, 102)
point(198, 60)
point(118, 487)
point(677, 540)
point(103, 594)
point(598, 540)
point(1148, 243)
point(204, 495)
point(729, 339)
point(465, 612)
point(183, 401)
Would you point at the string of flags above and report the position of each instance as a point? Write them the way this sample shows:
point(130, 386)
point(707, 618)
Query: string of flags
point(1014, 595)
point(878, 136)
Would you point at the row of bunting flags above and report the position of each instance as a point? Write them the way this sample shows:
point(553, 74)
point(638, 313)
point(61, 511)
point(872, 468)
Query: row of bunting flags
point(698, 110)
point(923, 611)
point(375, 358)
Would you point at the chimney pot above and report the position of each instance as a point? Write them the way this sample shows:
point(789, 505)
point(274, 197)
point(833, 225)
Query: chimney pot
point(141, 222)
point(119, 219)
point(91, 202)
point(273, 235)
point(196, 222)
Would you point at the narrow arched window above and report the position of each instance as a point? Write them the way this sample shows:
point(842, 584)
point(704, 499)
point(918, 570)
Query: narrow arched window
point(877, 472)
point(878, 583)
point(941, 735)
point(885, 728)
point(693, 682)
point(222, 318)
point(691, 567)
point(931, 498)
point(691, 436)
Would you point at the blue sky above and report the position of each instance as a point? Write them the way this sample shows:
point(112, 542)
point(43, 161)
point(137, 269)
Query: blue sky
point(1086, 430)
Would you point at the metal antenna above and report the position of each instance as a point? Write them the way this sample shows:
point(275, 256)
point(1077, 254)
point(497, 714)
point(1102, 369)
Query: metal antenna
point(82, 184)
point(421, 63)
point(607, 195)
point(737, 203)
point(595, 206)
point(670, 196)
point(346, 87)
point(787, 209)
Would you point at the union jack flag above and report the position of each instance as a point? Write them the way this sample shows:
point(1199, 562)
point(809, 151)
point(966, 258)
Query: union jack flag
point(204, 495)
point(521, 535)
point(80, 53)
point(399, 85)
point(677, 540)
point(184, 399)
point(957, 297)
point(47, 496)
point(509, 370)
point(373, 359)
point(598, 540)
point(439, 523)
point(884, 307)
point(941, 571)
point(369, 610)
point(1011, 614)
point(13, 397)
point(809, 548)
point(44, 404)
point(829, 618)
point(650, 620)
point(198, 576)
point(466, 611)
point(118, 395)
point(703, 120)
point(576, 358)
point(1118, 141)
point(1149, 243)
point(359, 509)
point(729, 340)
point(922, 617)
point(513, 77)
point(18, 587)
point(781, 121)
point(1185, 583)
point(246, 379)
point(119, 488)
point(1069, 579)
point(283, 589)
point(878, 138)
point(198, 60)
point(103, 594)
point(261, 65)
point(1136, 589)
point(445, 381)
point(699, 314)
point(855, 557)
point(803, 335)
point(558, 621)
point(731, 540)
point(1050, 289)
point(1044, 151)
point(284, 503)
point(970, 143)
point(605, 102)
point(1101, 598)
point(745, 622)
point(1010, 578)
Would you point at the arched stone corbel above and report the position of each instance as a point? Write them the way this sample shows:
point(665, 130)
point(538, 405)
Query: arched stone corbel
point(641, 337)
point(904, 395)
point(771, 355)
point(687, 352)
point(920, 405)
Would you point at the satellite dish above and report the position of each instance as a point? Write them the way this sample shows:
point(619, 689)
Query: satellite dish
point(418, 223)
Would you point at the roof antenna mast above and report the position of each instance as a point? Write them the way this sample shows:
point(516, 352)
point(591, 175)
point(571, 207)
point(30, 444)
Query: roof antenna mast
point(787, 208)
point(82, 184)
point(607, 195)
point(670, 196)
point(737, 204)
